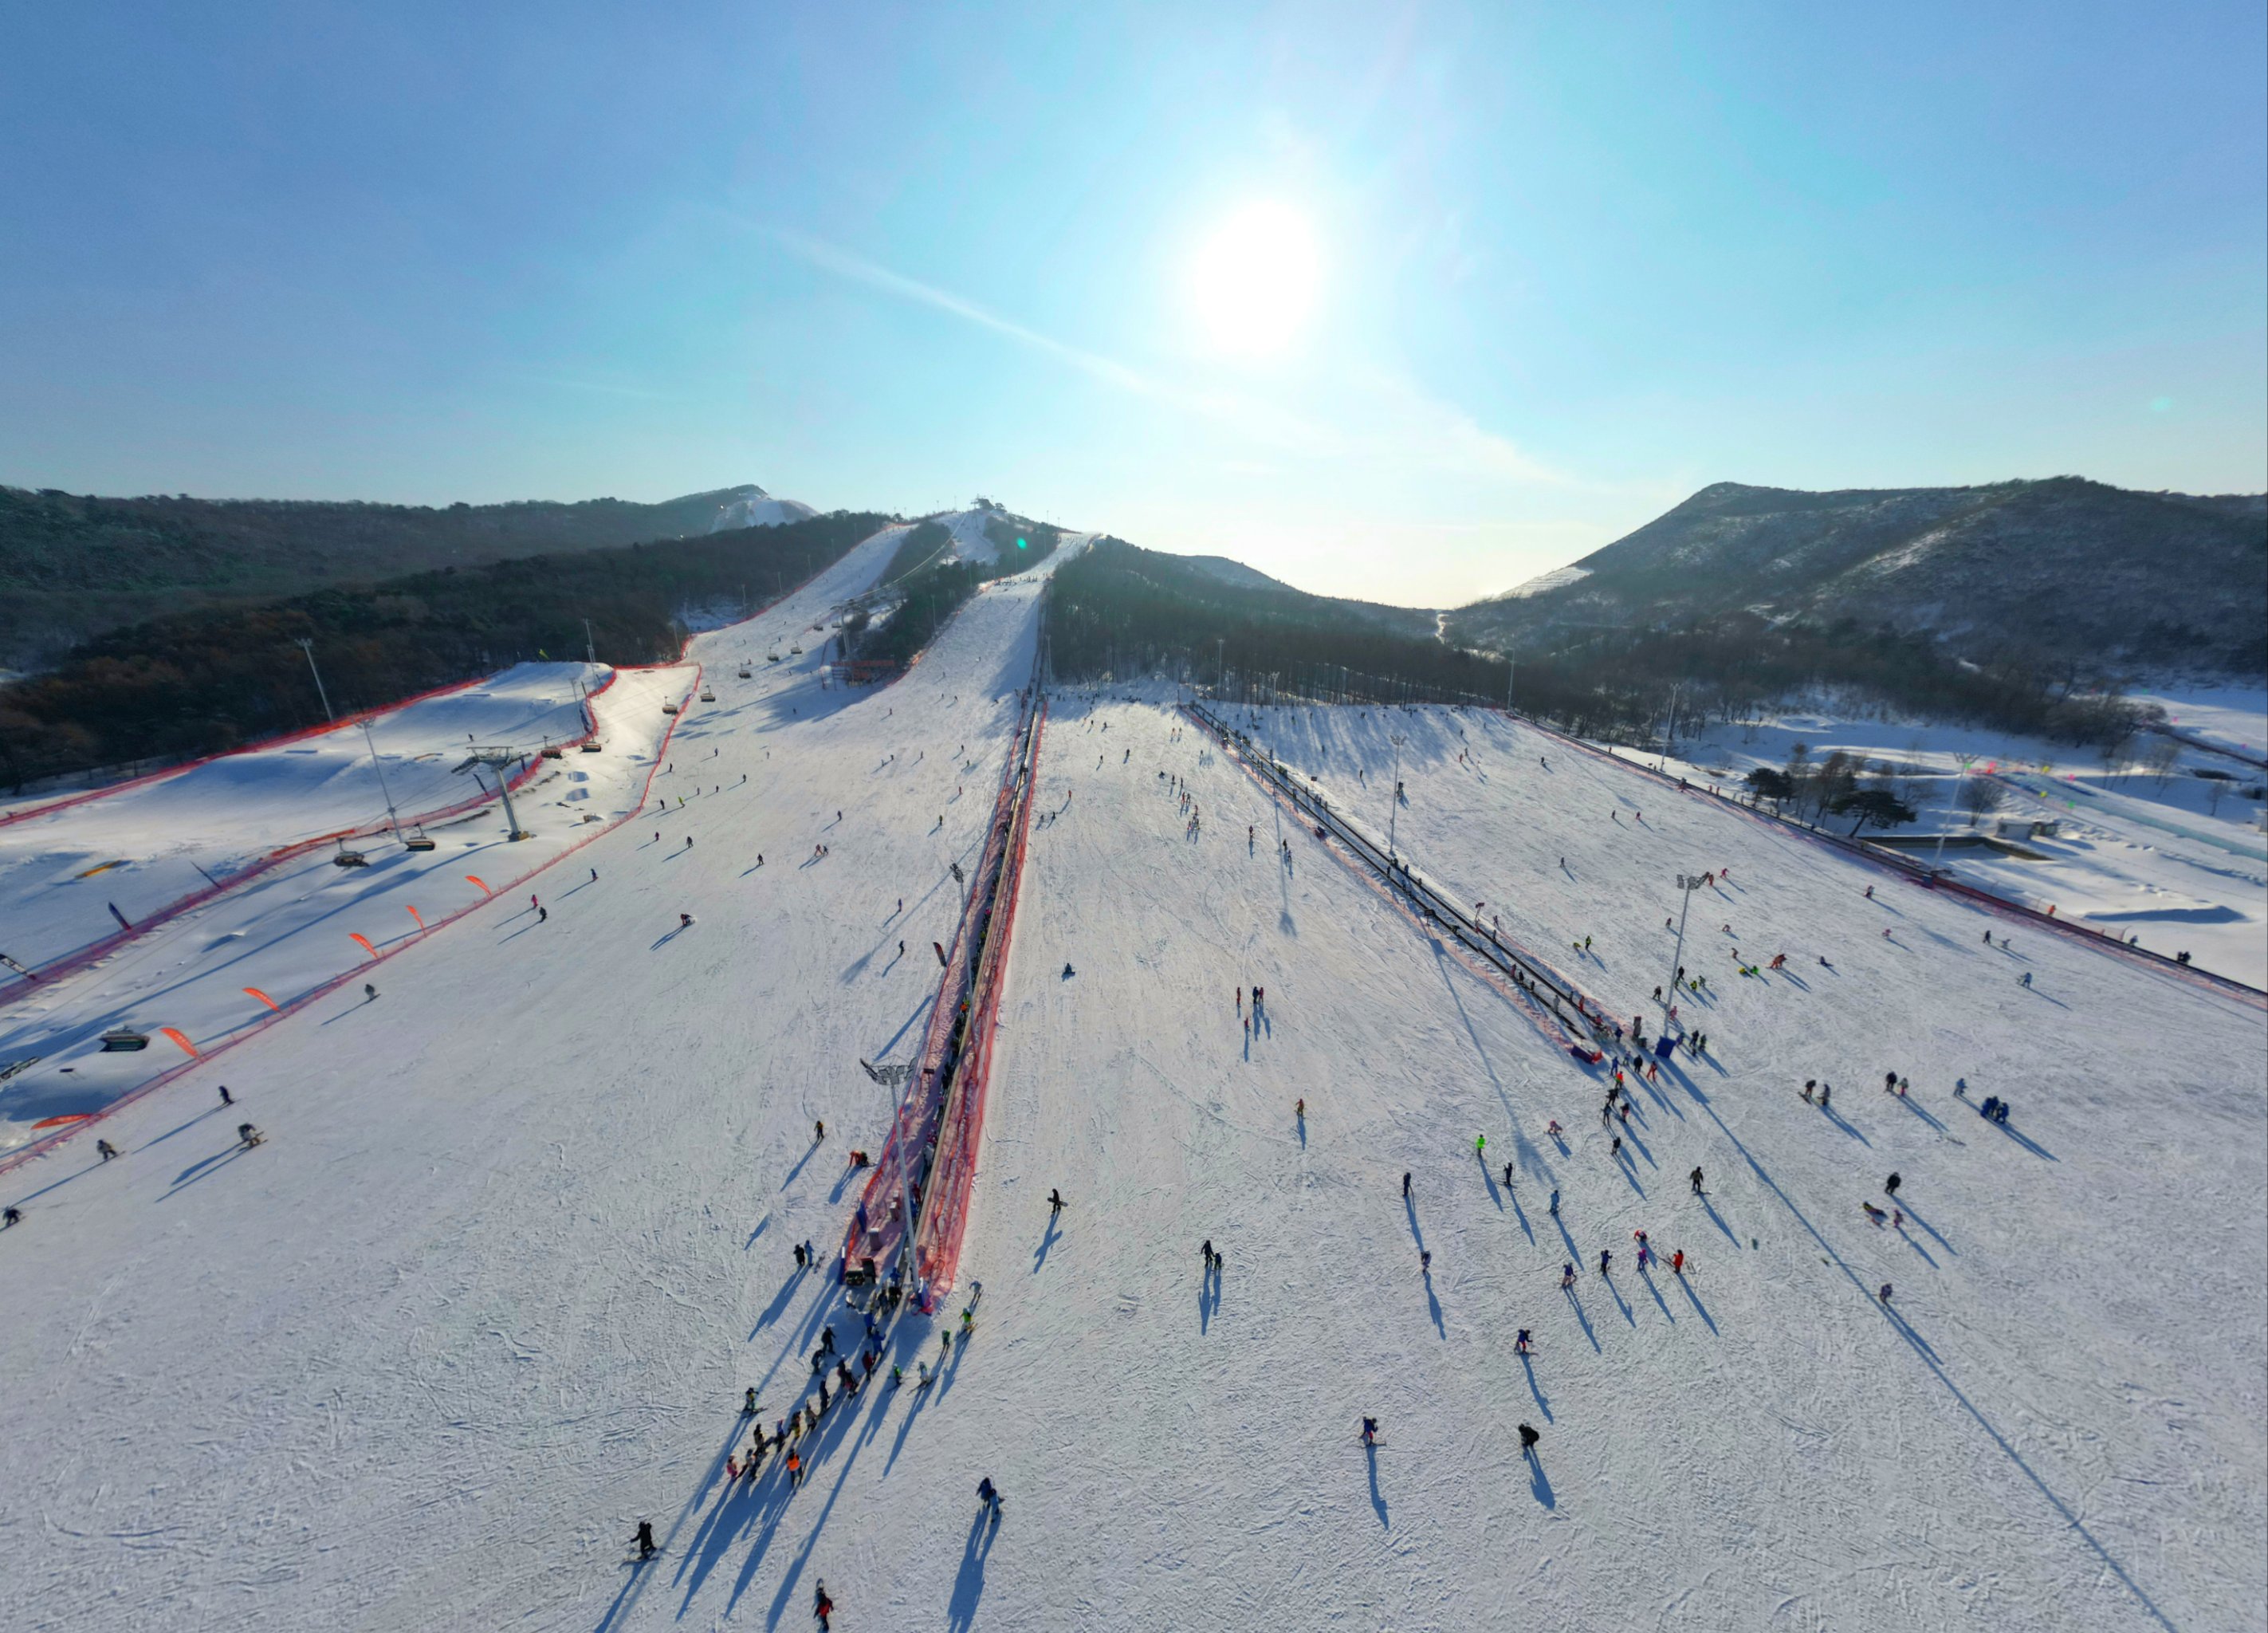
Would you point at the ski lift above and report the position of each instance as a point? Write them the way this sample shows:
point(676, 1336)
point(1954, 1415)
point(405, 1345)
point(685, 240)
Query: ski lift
point(553, 751)
point(669, 708)
point(796, 650)
point(746, 671)
point(349, 859)
point(708, 694)
point(418, 841)
point(772, 657)
point(590, 745)
point(124, 1040)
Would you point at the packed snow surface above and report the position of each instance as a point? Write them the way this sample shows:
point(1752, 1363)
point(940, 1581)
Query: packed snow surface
point(519, 1234)
point(152, 843)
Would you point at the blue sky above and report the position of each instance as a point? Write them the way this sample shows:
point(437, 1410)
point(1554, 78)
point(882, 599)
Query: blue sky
point(1572, 262)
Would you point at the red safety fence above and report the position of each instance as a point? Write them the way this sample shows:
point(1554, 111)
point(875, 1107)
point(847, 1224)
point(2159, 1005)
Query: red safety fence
point(952, 1177)
point(208, 1050)
point(933, 1119)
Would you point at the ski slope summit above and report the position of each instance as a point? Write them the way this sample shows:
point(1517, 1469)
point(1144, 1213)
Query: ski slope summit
point(521, 1232)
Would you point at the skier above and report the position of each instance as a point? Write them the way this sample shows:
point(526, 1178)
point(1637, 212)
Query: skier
point(988, 1497)
point(1696, 1181)
point(818, 1130)
point(543, 915)
point(1299, 1108)
point(1521, 1342)
point(644, 1541)
point(2027, 980)
point(1891, 1186)
point(1606, 1259)
point(368, 992)
point(821, 1605)
point(1425, 1262)
point(226, 1098)
point(105, 1149)
point(1566, 1276)
point(1480, 1148)
point(1618, 1148)
point(1554, 1204)
point(1068, 971)
point(1507, 1175)
point(748, 1407)
point(1885, 1294)
point(1370, 1431)
point(1528, 1440)
point(1677, 1262)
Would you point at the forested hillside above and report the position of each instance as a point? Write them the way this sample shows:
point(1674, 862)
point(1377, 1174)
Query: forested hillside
point(72, 565)
point(199, 683)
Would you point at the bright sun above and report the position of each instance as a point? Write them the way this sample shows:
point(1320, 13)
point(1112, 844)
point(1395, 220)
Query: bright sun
point(1256, 281)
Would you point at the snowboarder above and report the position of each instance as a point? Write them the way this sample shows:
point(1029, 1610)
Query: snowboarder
point(644, 1541)
point(1696, 1181)
point(1369, 1427)
point(249, 1135)
point(105, 1149)
point(1068, 971)
point(1521, 1342)
point(369, 992)
point(1885, 1294)
point(1425, 1262)
point(1891, 1186)
point(10, 1217)
point(1055, 1202)
point(1528, 1440)
point(685, 921)
point(226, 1098)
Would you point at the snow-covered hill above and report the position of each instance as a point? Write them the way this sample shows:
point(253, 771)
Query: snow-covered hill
point(749, 505)
point(521, 1234)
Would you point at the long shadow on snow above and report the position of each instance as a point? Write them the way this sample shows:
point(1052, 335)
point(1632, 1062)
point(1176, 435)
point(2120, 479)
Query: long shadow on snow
point(1929, 1358)
point(1645, 1276)
point(1543, 1404)
point(204, 1169)
point(1434, 1305)
point(1932, 1229)
point(1537, 1484)
point(1582, 1315)
point(1686, 1285)
point(1377, 1498)
point(968, 1585)
point(2033, 1146)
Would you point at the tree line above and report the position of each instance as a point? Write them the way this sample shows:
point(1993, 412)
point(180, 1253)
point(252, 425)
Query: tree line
point(206, 681)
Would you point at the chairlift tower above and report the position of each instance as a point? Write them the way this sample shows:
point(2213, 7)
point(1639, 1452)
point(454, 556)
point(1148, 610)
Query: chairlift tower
point(499, 760)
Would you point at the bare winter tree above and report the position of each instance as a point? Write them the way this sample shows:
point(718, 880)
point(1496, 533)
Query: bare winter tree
point(1980, 796)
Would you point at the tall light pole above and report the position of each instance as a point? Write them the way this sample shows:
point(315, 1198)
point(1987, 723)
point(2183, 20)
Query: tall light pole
point(306, 644)
point(1687, 883)
point(392, 820)
point(1967, 760)
point(1394, 799)
point(590, 647)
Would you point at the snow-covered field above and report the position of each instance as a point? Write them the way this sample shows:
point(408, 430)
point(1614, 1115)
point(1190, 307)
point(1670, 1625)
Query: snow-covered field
point(2174, 859)
point(149, 844)
point(521, 1234)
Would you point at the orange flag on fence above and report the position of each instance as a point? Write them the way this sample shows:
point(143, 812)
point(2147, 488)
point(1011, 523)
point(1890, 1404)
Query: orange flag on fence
point(256, 993)
point(419, 917)
point(57, 1122)
point(187, 1047)
point(365, 940)
point(483, 884)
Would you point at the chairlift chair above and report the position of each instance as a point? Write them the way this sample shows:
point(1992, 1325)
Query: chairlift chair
point(591, 746)
point(553, 751)
point(746, 671)
point(418, 841)
point(669, 708)
point(349, 859)
point(124, 1040)
point(708, 694)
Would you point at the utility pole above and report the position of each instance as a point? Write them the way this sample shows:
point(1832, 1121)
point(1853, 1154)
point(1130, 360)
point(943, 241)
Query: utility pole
point(1967, 760)
point(1393, 800)
point(306, 644)
point(590, 647)
point(1687, 883)
point(1510, 670)
point(392, 820)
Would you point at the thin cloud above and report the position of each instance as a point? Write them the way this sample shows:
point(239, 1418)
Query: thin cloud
point(1414, 430)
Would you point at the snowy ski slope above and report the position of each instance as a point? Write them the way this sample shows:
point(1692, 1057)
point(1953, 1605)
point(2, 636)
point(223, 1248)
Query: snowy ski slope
point(520, 1235)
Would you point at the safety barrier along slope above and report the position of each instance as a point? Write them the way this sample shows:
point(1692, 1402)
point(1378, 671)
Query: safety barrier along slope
point(1579, 1020)
point(208, 1049)
point(914, 1211)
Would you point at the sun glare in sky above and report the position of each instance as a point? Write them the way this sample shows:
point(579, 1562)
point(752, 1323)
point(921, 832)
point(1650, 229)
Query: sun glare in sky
point(1256, 281)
